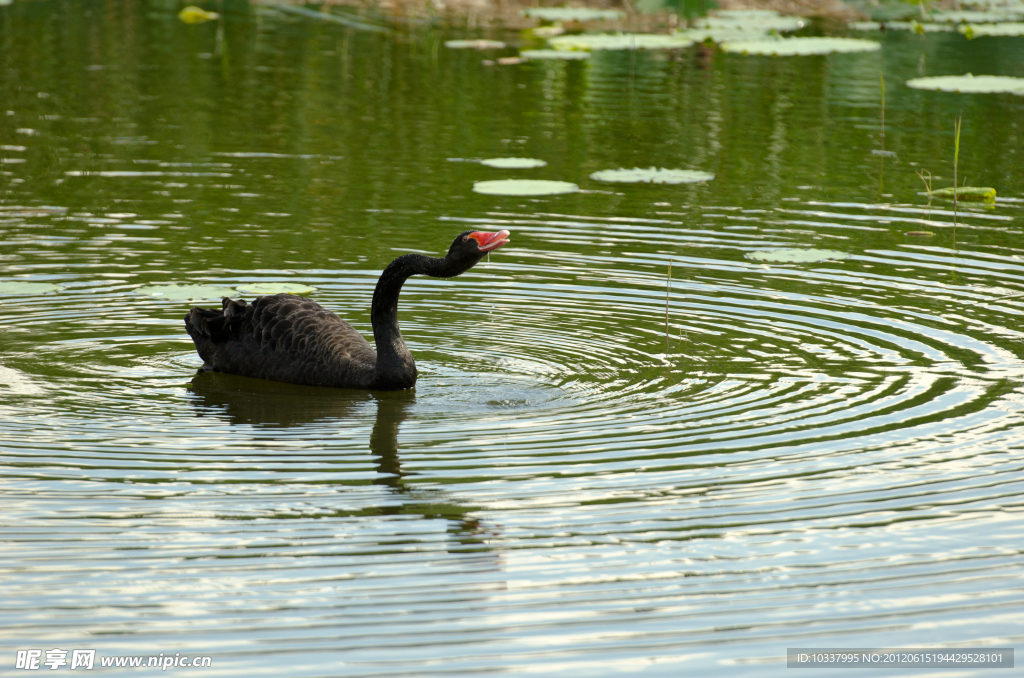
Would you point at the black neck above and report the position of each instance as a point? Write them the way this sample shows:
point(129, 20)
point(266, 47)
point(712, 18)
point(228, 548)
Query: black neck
point(395, 365)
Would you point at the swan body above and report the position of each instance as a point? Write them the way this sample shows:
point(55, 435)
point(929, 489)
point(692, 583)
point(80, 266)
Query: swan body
point(283, 337)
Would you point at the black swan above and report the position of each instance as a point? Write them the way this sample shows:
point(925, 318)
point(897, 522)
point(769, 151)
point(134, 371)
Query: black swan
point(283, 337)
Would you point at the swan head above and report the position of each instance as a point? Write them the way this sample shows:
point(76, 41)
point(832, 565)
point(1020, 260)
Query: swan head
point(470, 247)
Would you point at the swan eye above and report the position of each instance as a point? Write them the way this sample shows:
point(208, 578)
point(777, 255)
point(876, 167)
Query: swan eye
point(465, 238)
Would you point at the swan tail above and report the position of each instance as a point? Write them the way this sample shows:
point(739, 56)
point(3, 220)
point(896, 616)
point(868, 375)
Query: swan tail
point(209, 327)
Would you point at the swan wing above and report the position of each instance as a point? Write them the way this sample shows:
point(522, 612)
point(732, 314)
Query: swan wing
point(282, 337)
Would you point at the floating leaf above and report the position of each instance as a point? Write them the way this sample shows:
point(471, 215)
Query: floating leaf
point(513, 163)
point(979, 30)
point(259, 289)
point(966, 194)
point(12, 287)
point(592, 41)
point(475, 44)
point(185, 292)
point(564, 55)
point(796, 256)
point(546, 31)
point(196, 15)
point(976, 17)
point(970, 84)
point(524, 187)
point(653, 175)
point(763, 23)
point(572, 14)
point(901, 26)
point(801, 46)
point(747, 13)
point(919, 234)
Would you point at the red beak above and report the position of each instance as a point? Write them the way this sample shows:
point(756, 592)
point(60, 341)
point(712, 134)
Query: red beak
point(489, 241)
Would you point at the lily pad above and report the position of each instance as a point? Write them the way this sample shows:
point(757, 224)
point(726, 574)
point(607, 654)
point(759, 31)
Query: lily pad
point(196, 15)
point(592, 41)
point(513, 163)
point(563, 55)
point(185, 292)
point(970, 84)
point(981, 30)
point(653, 175)
point(474, 44)
point(12, 287)
point(572, 14)
point(747, 13)
point(976, 17)
point(546, 31)
point(762, 23)
point(796, 255)
point(524, 187)
point(914, 26)
point(966, 194)
point(259, 289)
point(801, 46)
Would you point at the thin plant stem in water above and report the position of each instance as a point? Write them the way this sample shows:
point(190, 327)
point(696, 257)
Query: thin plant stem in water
point(668, 292)
point(956, 161)
point(881, 79)
point(881, 161)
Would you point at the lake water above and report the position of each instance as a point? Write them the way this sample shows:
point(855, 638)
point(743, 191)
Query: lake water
point(821, 454)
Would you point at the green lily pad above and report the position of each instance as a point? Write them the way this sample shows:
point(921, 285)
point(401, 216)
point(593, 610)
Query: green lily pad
point(653, 175)
point(800, 46)
point(592, 41)
point(260, 289)
point(12, 287)
point(970, 84)
point(980, 30)
point(796, 255)
point(572, 14)
point(752, 14)
point(966, 194)
point(513, 163)
point(913, 26)
point(524, 187)
point(865, 25)
point(976, 17)
point(185, 292)
point(561, 55)
point(763, 23)
point(475, 44)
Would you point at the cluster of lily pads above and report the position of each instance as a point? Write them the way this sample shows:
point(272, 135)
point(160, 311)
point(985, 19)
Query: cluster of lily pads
point(751, 32)
point(759, 32)
point(981, 20)
point(984, 20)
point(737, 31)
point(171, 292)
point(536, 187)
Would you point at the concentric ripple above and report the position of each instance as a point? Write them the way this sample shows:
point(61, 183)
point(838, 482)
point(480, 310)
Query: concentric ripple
point(570, 404)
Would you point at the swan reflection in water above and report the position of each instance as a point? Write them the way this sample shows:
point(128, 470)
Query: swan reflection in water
point(272, 405)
